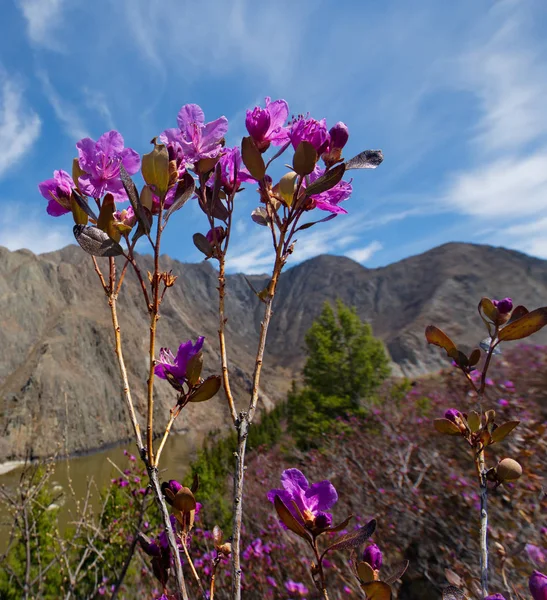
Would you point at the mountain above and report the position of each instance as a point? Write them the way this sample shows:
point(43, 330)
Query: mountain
point(59, 381)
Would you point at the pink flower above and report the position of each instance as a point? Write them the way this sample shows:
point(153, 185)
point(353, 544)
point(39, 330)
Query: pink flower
point(266, 125)
point(310, 130)
point(58, 192)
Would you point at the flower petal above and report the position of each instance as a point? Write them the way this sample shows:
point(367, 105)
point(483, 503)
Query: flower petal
point(87, 155)
point(321, 496)
point(294, 481)
point(159, 371)
point(130, 160)
point(213, 132)
point(188, 115)
point(54, 209)
point(110, 143)
point(279, 112)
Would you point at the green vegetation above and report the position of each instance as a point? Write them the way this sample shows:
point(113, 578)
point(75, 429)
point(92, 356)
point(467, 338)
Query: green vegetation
point(346, 365)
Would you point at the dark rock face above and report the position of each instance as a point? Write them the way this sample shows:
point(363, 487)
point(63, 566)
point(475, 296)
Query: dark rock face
point(59, 381)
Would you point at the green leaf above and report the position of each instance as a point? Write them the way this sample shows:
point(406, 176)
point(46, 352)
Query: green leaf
point(96, 242)
point(377, 590)
point(106, 218)
point(206, 390)
point(436, 336)
point(78, 213)
point(304, 159)
point(203, 244)
point(185, 189)
point(155, 168)
point(474, 421)
point(354, 539)
point(368, 159)
point(447, 427)
point(327, 181)
point(289, 520)
point(501, 432)
point(252, 158)
point(524, 326)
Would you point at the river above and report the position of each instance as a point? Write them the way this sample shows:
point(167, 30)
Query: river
point(81, 470)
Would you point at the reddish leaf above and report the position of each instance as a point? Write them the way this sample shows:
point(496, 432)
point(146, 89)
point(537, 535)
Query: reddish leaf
point(474, 357)
point(525, 326)
point(354, 539)
point(436, 336)
point(518, 312)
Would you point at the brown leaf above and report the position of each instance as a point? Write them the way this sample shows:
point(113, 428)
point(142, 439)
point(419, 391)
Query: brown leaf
point(96, 242)
point(474, 421)
point(446, 426)
point(341, 525)
point(397, 572)
point(289, 520)
point(436, 336)
point(185, 188)
point(206, 390)
point(203, 244)
point(452, 593)
point(377, 590)
point(365, 572)
point(525, 326)
point(354, 539)
point(453, 578)
point(327, 181)
point(501, 432)
point(518, 312)
point(368, 159)
point(474, 357)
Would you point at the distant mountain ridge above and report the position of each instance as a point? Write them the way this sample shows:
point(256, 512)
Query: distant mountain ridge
point(59, 379)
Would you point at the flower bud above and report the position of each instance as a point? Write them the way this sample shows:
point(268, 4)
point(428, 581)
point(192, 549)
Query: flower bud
point(504, 306)
point(338, 137)
point(538, 586)
point(508, 470)
point(218, 232)
point(124, 220)
point(170, 490)
point(453, 415)
point(373, 556)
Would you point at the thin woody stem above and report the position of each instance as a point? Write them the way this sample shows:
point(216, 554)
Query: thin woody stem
point(245, 421)
point(174, 414)
point(193, 569)
point(481, 472)
point(320, 568)
point(222, 336)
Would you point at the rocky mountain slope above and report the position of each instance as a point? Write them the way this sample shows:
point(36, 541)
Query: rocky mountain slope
point(59, 381)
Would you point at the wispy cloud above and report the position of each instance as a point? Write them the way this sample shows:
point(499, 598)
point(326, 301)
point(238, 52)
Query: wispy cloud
point(19, 125)
point(44, 18)
point(253, 253)
point(97, 102)
point(362, 255)
point(65, 112)
point(22, 230)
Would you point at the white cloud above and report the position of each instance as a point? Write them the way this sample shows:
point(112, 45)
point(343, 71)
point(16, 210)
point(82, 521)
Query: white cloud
point(513, 186)
point(67, 115)
point(19, 125)
point(43, 21)
point(96, 101)
point(19, 230)
point(362, 255)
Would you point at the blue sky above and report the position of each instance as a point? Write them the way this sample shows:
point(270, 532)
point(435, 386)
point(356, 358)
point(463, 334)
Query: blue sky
point(454, 93)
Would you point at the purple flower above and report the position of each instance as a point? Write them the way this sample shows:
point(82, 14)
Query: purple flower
point(310, 130)
point(57, 191)
point(173, 368)
point(536, 554)
point(373, 556)
point(495, 597)
point(101, 161)
point(296, 588)
point(271, 581)
point(338, 138)
point(174, 486)
point(125, 217)
point(172, 140)
point(196, 138)
point(504, 306)
point(453, 415)
point(330, 199)
point(538, 586)
point(311, 501)
point(230, 164)
point(503, 402)
point(266, 125)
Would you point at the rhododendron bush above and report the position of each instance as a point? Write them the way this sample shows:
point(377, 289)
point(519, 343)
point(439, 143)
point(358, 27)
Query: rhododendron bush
point(118, 199)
